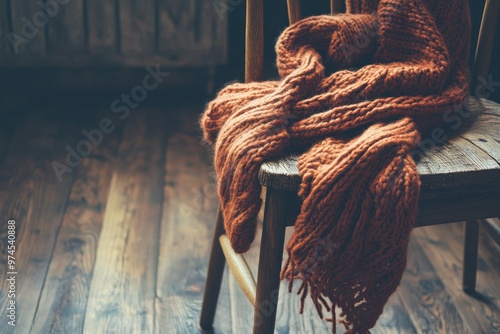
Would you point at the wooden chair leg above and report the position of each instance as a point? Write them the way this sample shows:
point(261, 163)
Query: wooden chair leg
point(214, 277)
point(271, 255)
point(470, 256)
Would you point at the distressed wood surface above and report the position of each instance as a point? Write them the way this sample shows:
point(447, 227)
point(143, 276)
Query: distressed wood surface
point(484, 133)
point(102, 24)
point(254, 40)
point(205, 26)
point(66, 32)
point(489, 255)
point(217, 36)
point(395, 318)
point(137, 26)
point(31, 194)
point(241, 308)
point(239, 268)
point(493, 228)
point(466, 162)
point(164, 192)
point(114, 32)
point(177, 26)
point(70, 272)
point(192, 27)
point(122, 290)
point(427, 300)
point(480, 314)
point(189, 209)
point(23, 17)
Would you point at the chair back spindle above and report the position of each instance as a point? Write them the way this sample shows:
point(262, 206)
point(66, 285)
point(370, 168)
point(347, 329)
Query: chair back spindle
point(293, 11)
point(254, 40)
point(486, 38)
point(335, 6)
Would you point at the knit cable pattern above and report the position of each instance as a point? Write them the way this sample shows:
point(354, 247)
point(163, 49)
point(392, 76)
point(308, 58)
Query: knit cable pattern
point(355, 93)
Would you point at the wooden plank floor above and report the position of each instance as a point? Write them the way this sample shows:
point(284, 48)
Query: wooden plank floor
point(121, 243)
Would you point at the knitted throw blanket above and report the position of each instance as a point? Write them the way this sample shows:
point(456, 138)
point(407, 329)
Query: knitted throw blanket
point(355, 94)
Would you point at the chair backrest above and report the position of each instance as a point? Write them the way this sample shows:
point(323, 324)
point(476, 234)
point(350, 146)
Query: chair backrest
point(254, 40)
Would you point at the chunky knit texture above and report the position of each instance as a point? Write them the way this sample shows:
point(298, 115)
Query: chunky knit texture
point(356, 91)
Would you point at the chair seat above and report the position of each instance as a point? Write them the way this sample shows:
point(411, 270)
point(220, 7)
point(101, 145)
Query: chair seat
point(460, 176)
point(464, 170)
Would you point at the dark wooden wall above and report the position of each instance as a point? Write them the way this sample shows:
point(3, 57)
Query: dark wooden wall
point(112, 33)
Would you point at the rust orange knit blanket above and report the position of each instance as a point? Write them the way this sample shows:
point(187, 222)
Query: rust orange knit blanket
point(355, 94)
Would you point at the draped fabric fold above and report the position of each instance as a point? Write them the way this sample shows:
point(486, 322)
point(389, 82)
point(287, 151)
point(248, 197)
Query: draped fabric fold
point(356, 93)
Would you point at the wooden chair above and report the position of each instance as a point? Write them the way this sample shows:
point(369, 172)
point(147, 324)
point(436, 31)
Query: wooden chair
point(460, 181)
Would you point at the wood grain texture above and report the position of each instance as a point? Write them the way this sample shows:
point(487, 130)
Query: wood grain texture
point(289, 319)
point(484, 132)
point(125, 278)
point(464, 163)
point(457, 164)
point(176, 27)
point(181, 24)
point(270, 259)
point(102, 26)
point(23, 14)
point(122, 290)
point(493, 228)
point(444, 245)
point(293, 7)
point(137, 23)
point(239, 268)
point(67, 283)
point(488, 254)
point(193, 27)
point(31, 194)
point(66, 29)
point(220, 36)
point(336, 7)
point(117, 33)
point(215, 275)
point(241, 308)
point(395, 318)
point(427, 299)
point(5, 27)
point(189, 208)
point(254, 40)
